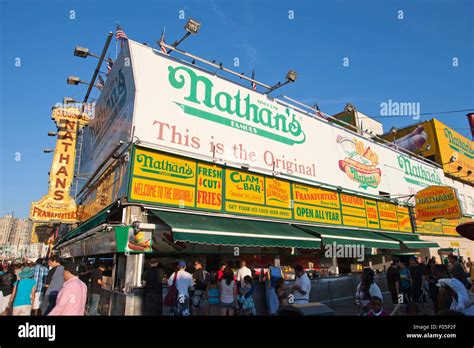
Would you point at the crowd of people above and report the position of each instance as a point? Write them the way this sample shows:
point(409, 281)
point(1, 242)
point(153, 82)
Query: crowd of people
point(224, 291)
point(449, 286)
point(49, 288)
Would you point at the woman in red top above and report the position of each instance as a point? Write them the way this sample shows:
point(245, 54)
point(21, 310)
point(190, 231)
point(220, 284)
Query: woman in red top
point(220, 272)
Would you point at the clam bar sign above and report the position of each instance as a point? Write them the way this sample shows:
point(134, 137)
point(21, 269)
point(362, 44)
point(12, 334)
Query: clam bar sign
point(57, 205)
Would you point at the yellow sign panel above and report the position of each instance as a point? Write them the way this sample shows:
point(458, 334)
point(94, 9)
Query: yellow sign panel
point(315, 196)
point(353, 211)
point(209, 187)
point(435, 202)
point(58, 205)
point(278, 193)
point(389, 225)
point(317, 214)
point(372, 214)
point(429, 227)
point(453, 145)
point(352, 201)
point(354, 221)
point(244, 187)
point(450, 230)
point(162, 167)
point(455, 244)
point(402, 210)
point(404, 222)
point(162, 192)
point(251, 209)
point(387, 211)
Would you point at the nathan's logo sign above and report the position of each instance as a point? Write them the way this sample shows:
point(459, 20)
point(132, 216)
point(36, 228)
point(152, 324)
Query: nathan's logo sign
point(262, 118)
point(458, 144)
point(437, 202)
point(418, 174)
point(164, 167)
point(360, 163)
point(58, 205)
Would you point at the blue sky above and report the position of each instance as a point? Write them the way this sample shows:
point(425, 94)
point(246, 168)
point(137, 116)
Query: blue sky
point(408, 60)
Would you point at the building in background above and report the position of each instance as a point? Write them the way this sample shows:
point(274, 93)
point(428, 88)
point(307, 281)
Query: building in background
point(6, 225)
point(15, 236)
point(359, 121)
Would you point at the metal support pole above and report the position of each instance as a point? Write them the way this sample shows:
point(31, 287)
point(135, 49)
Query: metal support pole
point(99, 63)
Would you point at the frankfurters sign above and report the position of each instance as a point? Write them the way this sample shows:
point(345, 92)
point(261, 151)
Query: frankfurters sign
point(168, 180)
point(437, 202)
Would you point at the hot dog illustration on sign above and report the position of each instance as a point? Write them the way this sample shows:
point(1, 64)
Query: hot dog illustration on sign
point(360, 163)
point(138, 240)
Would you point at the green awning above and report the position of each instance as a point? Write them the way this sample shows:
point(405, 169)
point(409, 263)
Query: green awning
point(203, 229)
point(94, 221)
point(411, 240)
point(346, 236)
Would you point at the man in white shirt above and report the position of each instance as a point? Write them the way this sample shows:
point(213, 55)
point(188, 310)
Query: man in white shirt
point(302, 286)
point(243, 272)
point(184, 281)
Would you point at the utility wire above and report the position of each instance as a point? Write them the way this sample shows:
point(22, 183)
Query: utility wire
point(438, 114)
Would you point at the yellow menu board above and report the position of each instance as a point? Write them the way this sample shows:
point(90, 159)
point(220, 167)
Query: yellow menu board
point(278, 193)
point(372, 214)
point(162, 192)
point(317, 214)
point(428, 227)
point(353, 210)
point(315, 196)
point(209, 187)
point(171, 180)
point(244, 187)
point(257, 210)
point(387, 211)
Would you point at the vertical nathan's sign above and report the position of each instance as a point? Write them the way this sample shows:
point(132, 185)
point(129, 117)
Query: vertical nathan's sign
point(58, 205)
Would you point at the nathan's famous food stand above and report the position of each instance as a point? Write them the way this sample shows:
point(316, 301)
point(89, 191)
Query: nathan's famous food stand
point(190, 165)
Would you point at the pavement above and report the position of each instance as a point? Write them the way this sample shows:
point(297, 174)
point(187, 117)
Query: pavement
point(348, 308)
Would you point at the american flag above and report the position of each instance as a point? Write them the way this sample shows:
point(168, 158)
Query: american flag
point(100, 83)
point(162, 40)
point(254, 85)
point(318, 112)
point(120, 35)
point(110, 64)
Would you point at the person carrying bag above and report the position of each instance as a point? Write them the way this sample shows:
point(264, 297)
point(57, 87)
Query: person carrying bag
point(170, 298)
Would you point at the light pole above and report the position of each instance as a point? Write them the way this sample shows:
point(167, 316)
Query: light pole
point(192, 27)
point(290, 77)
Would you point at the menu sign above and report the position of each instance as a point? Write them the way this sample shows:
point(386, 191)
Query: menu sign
point(209, 187)
point(175, 181)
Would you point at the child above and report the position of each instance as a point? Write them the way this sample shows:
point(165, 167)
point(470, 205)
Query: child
point(246, 297)
point(213, 295)
point(376, 309)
